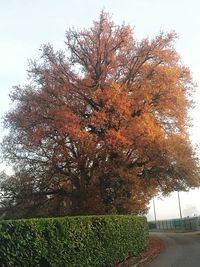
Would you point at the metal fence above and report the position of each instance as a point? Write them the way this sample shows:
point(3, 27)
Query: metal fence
point(185, 224)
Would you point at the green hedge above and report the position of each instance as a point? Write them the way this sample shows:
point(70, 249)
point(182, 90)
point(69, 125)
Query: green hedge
point(71, 241)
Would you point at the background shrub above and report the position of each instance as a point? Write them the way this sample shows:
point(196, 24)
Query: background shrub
point(72, 241)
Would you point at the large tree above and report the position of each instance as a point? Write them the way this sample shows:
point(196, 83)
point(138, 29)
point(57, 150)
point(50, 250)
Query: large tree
point(104, 127)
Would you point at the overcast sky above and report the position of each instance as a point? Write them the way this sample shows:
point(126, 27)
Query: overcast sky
point(27, 24)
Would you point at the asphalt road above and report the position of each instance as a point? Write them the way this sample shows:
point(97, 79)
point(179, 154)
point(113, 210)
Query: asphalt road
point(180, 250)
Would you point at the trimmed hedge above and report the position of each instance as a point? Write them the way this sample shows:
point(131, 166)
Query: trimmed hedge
point(72, 241)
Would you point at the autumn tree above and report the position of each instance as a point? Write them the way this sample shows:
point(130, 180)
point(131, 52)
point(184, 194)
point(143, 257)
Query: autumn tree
point(104, 127)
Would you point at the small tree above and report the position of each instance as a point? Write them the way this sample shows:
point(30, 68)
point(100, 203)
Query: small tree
point(105, 127)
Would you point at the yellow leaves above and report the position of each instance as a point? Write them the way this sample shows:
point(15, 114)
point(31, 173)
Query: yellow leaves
point(149, 127)
point(115, 107)
point(144, 129)
point(163, 91)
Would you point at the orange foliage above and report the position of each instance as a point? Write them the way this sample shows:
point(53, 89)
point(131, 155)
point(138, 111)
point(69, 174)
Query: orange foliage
point(115, 108)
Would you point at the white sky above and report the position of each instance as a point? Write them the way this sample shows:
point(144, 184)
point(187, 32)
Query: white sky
point(27, 24)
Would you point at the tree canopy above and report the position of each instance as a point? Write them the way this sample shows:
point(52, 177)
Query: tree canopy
point(103, 127)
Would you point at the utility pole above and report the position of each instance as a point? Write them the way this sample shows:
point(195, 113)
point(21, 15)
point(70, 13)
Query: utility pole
point(179, 203)
point(154, 208)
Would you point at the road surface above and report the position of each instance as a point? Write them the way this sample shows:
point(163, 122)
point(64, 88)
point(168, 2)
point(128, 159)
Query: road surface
point(180, 250)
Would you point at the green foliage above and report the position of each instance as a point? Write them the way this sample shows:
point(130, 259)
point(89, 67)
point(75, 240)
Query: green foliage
point(72, 241)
